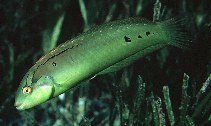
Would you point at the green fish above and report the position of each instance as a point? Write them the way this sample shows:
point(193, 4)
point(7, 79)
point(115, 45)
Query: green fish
point(103, 49)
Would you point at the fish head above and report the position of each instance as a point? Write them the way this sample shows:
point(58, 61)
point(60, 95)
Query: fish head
point(31, 93)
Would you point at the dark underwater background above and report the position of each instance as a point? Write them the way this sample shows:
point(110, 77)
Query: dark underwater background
point(168, 87)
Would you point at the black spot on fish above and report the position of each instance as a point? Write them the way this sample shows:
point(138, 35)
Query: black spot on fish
point(139, 36)
point(54, 64)
point(147, 33)
point(127, 39)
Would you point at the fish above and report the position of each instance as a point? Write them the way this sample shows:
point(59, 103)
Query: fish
point(103, 49)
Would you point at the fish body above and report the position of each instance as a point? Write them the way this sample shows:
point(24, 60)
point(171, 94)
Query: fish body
point(103, 49)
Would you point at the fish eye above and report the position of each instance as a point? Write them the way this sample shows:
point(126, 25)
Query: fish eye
point(27, 89)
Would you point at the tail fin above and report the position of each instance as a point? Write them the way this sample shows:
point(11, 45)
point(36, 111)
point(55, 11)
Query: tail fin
point(177, 31)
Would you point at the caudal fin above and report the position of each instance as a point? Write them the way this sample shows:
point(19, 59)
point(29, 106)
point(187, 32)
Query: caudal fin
point(177, 31)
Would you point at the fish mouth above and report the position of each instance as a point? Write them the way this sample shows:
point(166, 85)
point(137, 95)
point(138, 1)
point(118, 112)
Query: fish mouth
point(19, 106)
